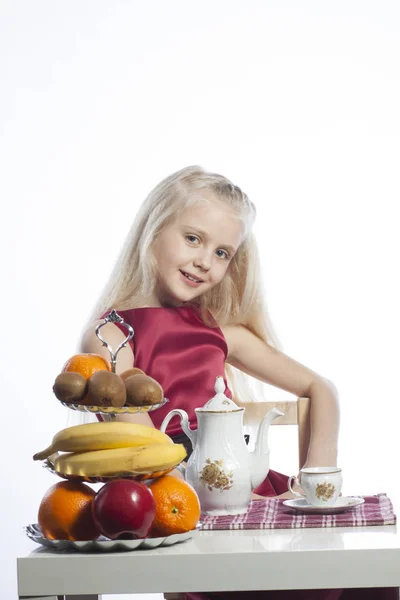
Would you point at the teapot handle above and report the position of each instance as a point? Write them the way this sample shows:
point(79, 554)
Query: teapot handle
point(192, 435)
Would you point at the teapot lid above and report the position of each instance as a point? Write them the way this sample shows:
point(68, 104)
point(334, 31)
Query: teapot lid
point(220, 402)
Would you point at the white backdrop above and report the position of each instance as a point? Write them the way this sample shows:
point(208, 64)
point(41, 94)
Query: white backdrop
point(297, 102)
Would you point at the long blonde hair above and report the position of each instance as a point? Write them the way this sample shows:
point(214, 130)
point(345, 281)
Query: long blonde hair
point(238, 299)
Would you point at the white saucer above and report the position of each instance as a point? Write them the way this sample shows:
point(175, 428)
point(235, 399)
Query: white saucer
point(343, 504)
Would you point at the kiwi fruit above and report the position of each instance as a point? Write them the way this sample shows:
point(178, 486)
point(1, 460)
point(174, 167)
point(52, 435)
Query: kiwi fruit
point(142, 390)
point(70, 387)
point(106, 389)
point(129, 372)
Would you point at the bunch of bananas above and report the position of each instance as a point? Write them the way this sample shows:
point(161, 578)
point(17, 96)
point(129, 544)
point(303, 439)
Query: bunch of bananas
point(112, 449)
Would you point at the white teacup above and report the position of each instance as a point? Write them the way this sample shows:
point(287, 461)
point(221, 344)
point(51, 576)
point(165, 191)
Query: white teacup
point(321, 485)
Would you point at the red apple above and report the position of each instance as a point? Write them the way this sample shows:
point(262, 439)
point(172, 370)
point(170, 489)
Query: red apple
point(124, 508)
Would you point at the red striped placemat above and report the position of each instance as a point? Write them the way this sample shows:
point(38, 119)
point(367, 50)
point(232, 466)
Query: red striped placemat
point(271, 513)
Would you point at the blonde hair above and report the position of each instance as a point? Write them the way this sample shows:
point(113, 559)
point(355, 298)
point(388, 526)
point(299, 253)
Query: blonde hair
point(238, 299)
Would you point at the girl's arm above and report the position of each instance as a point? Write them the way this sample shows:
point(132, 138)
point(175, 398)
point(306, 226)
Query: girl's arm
point(256, 358)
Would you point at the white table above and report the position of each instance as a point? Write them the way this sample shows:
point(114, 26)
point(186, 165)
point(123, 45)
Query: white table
point(222, 561)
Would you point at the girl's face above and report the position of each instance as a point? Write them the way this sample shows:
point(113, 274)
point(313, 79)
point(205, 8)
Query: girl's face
point(199, 244)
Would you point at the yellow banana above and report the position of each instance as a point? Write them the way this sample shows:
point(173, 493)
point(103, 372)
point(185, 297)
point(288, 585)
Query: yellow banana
point(120, 461)
point(103, 436)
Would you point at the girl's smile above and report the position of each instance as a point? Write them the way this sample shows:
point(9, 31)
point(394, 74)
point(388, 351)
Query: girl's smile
point(190, 280)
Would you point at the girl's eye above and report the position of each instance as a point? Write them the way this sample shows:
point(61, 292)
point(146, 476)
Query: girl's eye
point(225, 253)
point(191, 238)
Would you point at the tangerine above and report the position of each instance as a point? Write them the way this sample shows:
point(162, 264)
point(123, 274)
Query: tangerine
point(86, 364)
point(177, 506)
point(65, 512)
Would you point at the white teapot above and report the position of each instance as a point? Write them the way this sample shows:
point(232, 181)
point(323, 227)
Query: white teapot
point(221, 469)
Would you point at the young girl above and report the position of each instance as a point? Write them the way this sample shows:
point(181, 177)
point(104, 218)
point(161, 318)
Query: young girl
point(188, 281)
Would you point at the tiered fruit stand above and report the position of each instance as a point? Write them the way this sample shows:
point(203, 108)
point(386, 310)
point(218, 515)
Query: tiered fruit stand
point(102, 543)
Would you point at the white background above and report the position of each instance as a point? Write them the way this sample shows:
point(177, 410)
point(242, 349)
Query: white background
point(296, 101)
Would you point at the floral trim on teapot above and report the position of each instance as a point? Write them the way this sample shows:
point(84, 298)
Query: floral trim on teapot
point(325, 491)
point(213, 476)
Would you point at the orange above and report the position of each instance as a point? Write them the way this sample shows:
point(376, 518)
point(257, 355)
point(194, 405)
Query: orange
point(65, 512)
point(177, 506)
point(86, 364)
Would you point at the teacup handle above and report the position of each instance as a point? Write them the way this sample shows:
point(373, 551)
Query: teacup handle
point(296, 481)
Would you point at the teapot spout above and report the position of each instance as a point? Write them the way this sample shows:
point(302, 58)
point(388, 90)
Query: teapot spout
point(259, 458)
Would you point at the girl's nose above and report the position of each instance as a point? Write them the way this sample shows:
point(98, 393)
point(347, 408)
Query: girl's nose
point(203, 261)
